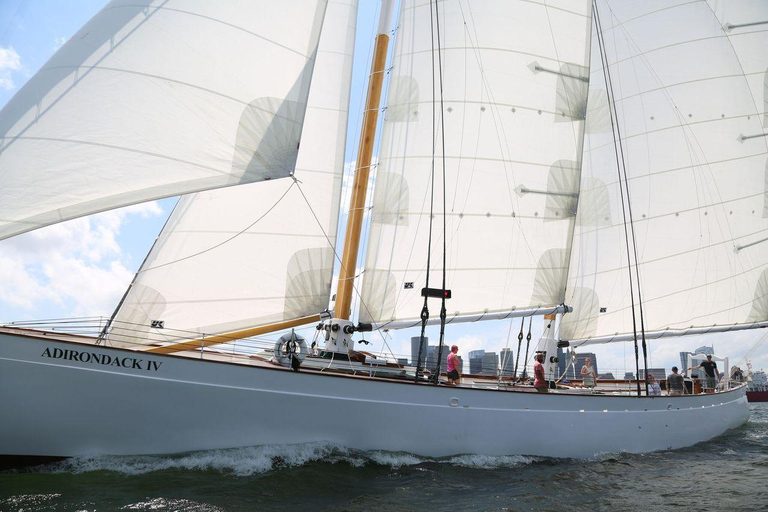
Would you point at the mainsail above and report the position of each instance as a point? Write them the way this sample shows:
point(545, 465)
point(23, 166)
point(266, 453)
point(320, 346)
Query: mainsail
point(158, 98)
point(690, 86)
point(515, 87)
point(247, 256)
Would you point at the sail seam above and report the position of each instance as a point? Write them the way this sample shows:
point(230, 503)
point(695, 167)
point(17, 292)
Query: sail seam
point(119, 148)
point(209, 18)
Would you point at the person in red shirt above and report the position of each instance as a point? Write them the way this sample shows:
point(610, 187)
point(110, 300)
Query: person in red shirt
point(539, 381)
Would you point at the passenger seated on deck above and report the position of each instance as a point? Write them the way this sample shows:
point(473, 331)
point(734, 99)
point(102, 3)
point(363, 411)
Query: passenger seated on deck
point(653, 386)
point(588, 375)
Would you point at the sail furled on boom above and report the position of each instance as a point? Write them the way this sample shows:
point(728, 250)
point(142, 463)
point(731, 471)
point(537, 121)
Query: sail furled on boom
point(156, 98)
point(688, 81)
point(242, 257)
point(515, 90)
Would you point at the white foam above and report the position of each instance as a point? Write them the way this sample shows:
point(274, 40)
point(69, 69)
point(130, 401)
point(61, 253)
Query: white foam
point(490, 461)
point(171, 504)
point(394, 460)
point(239, 461)
point(260, 459)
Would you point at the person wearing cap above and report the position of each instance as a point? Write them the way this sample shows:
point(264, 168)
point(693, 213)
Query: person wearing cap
point(452, 366)
point(675, 383)
point(710, 369)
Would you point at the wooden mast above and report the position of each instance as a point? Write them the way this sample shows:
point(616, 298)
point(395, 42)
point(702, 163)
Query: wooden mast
point(345, 289)
point(354, 225)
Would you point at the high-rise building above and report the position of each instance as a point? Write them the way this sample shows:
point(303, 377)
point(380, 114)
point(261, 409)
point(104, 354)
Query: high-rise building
point(475, 353)
point(507, 362)
point(432, 355)
point(490, 363)
point(659, 373)
point(415, 349)
point(475, 361)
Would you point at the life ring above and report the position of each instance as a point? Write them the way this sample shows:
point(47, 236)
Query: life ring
point(290, 344)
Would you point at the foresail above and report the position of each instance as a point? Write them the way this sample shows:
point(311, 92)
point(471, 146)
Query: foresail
point(242, 257)
point(515, 83)
point(156, 98)
point(690, 81)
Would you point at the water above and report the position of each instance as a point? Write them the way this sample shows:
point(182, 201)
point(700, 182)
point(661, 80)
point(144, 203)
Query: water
point(729, 473)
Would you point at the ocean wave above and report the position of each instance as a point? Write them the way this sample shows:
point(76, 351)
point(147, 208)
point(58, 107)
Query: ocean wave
point(171, 504)
point(238, 461)
point(491, 461)
point(255, 460)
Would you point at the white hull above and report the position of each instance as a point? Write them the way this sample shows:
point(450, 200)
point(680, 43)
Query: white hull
point(57, 407)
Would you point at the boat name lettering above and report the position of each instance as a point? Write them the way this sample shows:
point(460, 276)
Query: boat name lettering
point(103, 359)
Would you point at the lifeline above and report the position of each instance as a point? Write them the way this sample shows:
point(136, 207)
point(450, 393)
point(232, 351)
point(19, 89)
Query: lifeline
point(103, 359)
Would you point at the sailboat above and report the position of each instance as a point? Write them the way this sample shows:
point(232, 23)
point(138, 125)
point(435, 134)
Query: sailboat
point(603, 164)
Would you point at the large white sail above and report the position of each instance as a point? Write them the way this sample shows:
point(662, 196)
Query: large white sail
point(689, 81)
point(155, 98)
point(515, 84)
point(247, 256)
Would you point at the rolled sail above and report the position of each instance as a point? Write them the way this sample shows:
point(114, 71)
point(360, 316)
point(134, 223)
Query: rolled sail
point(689, 80)
point(158, 98)
point(515, 79)
point(246, 256)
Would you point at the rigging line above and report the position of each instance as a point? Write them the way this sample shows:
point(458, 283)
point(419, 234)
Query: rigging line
point(442, 159)
point(519, 346)
point(691, 140)
point(425, 307)
point(336, 255)
point(606, 76)
point(295, 181)
point(503, 144)
point(685, 124)
point(485, 87)
point(527, 346)
point(505, 352)
point(634, 236)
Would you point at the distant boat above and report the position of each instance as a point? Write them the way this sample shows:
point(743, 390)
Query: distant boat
point(501, 192)
point(757, 387)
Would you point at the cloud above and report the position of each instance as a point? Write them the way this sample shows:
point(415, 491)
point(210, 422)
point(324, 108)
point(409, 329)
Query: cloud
point(73, 269)
point(58, 43)
point(10, 62)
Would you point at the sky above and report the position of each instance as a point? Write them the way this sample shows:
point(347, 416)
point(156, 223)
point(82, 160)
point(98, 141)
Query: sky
point(81, 268)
